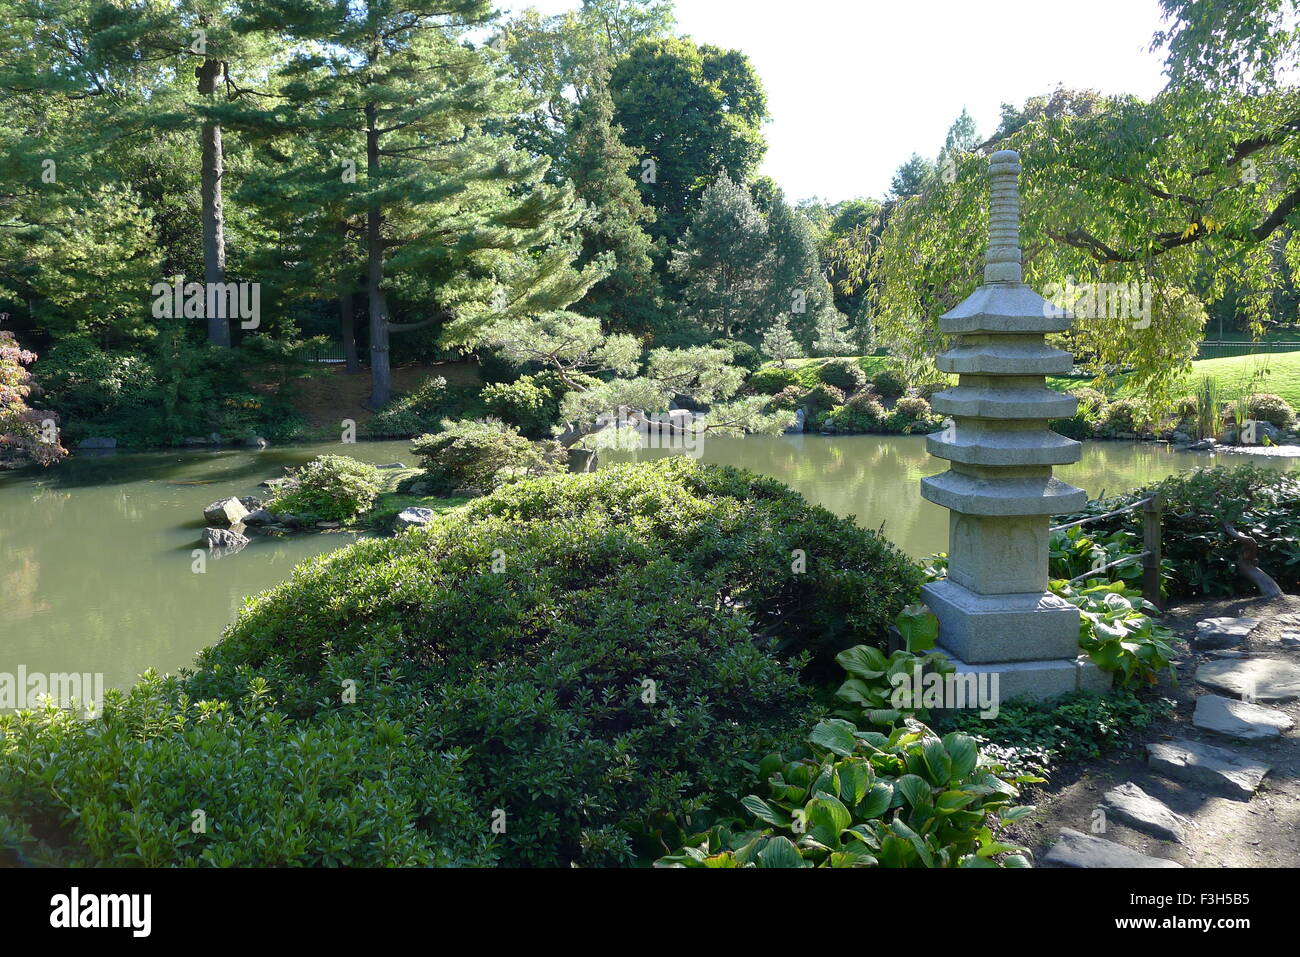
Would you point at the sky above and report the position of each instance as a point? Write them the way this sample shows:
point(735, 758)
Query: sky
point(856, 86)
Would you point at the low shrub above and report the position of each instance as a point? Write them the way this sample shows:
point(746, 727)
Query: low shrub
point(889, 383)
point(913, 416)
point(823, 398)
point(742, 353)
point(485, 456)
point(1122, 417)
point(771, 380)
point(861, 414)
point(788, 399)
point(844, 374)
point(331, 488)
point(129, 787)
point(1267, 407)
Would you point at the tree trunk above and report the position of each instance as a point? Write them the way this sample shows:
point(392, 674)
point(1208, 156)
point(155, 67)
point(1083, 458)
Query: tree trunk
point(381, 377)
point(213, 215)
point(347, 328)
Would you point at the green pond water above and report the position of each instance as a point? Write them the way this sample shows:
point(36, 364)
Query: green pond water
point(96, 553)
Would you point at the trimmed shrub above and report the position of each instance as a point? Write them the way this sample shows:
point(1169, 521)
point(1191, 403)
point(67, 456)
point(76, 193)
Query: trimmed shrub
point(425, 409)
point(331, 488)
point(1083, 424)
point(771, 380)
point(484, 455)
point(844, 374)
point(524, 627)
point(1272, 408)
point(862, 413)
point(1123, 416)
point(788, 399)
point(823, 399)
point(889, 383)
point(742, 353)
point(347, 790)
point(913, 416)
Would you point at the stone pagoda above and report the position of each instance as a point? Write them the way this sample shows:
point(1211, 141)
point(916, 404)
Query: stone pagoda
point(995, 613)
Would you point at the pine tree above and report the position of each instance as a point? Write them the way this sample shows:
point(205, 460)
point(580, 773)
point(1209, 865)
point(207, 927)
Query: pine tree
point(725, 260)
point(460, 231)
point(796, 287)
point(779, 343)
point(599, 166)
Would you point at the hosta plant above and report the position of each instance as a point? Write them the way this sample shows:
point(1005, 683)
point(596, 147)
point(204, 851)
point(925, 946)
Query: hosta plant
point(867, 799)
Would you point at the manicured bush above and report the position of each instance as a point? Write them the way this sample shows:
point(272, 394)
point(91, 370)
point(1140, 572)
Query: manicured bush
point(162, 780)
point(26, 434)
point(532, 404)
point(771, 380)
point(861, 414)
point(844, 374)
point(823, 399)
point(913, 415)
point(1084, 423)
point(1272, 408)
point(484, 455)
point(331, 488)
point(525, 626)
point(889, 383)
point(789, 398)
point(1123, 416)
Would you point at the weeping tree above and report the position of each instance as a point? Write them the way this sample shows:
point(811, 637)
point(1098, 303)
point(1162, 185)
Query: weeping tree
point(610, 385)
point(1183, 200)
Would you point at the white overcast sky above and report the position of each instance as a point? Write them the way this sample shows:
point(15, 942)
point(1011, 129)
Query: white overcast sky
point(856, 86)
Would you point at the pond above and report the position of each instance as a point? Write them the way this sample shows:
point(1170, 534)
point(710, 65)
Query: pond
point(95, 554)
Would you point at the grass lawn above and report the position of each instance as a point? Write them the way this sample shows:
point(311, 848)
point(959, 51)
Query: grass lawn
point(1278, 373)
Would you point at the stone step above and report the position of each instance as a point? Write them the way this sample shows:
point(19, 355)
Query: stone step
point(1223, 632)
point(989, 447)
point(1239, 719)
point(1257, 679)
point(1130, 805)
point(1215, 769)
point(1073, 849)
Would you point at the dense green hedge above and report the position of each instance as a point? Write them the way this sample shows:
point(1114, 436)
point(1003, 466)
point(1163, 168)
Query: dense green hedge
point(600, 654)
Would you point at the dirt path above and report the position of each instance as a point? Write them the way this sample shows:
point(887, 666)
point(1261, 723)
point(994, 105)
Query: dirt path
point(1264, 832)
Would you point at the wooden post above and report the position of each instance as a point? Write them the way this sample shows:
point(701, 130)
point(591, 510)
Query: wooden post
point(1152, 513)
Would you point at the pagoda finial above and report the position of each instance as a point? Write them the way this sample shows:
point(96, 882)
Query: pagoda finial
point(1002, 262)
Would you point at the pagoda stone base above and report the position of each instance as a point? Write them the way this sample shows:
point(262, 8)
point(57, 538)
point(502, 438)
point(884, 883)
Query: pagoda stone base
point(988, 629)
point(1037, 680)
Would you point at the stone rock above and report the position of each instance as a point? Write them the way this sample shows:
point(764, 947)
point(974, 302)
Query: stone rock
point(98, 442)
point(1290, 639)
point(224, 539)
point(214, 438)
point(413, 518)
point(227, 512)
point(1215, 769)
point(257, 442)
point(194, 442)
point(1223, 632)
point(277, 483)
point(251, 502)
point(1073, 849)
point(800, 423)
point(260, 516)
point(1180, 438)
point(468, 492)
point(1131, 805)
point(1204, 445)
point(1257, 679)
point(329, 525)
point(420, 488)
point(1239, 719)
point(391, 467)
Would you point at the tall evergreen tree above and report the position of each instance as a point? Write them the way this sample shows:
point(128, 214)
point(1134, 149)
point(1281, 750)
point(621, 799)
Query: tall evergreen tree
point(724, 261)
point(458, 225)
point(797, 290)
point(599, 166)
